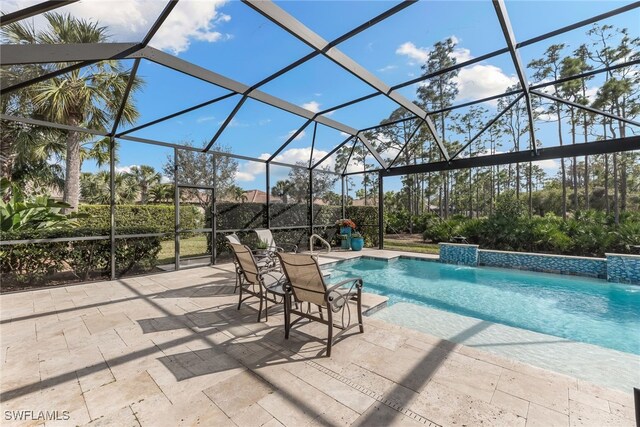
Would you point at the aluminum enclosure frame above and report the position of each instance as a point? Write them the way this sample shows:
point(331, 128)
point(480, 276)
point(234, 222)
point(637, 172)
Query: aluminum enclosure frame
point(88, 54)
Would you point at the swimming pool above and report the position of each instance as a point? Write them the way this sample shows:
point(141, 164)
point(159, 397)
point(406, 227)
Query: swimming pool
point(579, 309)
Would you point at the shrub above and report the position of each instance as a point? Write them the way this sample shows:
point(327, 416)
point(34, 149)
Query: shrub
point(33, 263)
point(160, 217)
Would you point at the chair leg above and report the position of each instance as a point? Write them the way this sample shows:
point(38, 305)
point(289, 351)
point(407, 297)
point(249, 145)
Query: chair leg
point(330, 335)
point(320, 311)
point(260, 309)
point(360, 312)
point(240, 298)
point(287, 315)
point(266, 308)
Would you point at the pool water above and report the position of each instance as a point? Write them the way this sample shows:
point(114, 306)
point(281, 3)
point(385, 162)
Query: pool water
point(579, 309)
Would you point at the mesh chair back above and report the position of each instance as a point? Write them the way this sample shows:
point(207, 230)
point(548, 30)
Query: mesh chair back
point(247, 263)
point(265, 235)
point(305, 277)
point(233, 238)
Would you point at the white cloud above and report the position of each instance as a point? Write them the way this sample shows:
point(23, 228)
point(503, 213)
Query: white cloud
point(481, 81)
point(125, 169)
point(248, 171)
point(387, 68)
point(415, 53)
point(461, 55)
point(549, 166)
point(298, 137)
point(205, 119)
point(312, 106)
point(128, 21)
point(474, 82)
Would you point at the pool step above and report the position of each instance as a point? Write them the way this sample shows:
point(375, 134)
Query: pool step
point(372, 303)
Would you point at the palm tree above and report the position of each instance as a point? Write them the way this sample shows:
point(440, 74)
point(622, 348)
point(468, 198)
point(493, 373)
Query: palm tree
point(146, 177)
point(95, 188)
point(88, 97)
point(282, 190)
point(161, 193)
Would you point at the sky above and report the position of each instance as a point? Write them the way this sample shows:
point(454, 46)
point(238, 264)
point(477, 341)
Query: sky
point(230, 38)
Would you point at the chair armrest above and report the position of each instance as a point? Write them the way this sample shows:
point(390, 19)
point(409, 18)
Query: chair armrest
point(269, 270)
point(291, 246)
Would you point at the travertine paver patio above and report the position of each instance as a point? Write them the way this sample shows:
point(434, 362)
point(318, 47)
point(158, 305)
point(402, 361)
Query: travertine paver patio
point(171, 349)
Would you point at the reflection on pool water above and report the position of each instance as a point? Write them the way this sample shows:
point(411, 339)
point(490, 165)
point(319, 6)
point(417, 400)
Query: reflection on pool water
point(579, 309)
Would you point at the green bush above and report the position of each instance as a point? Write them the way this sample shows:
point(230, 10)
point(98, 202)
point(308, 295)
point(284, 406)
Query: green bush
point(34, 263)
point(161, 217)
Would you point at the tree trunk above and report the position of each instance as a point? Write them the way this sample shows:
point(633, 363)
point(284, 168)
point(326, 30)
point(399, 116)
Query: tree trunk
point(562, 165)
point(7, 158)
point(529, 189)
point(574, 166)
point(616, 204)
point(72, 171)
point(586, 158)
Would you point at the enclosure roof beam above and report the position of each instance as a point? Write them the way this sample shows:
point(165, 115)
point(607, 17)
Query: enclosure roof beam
point(489, 55)
point(291, 138)
point(487, 126)
point(125, 97)
point(159, 21)
point(372, 150)
point(588, 21)
point(8, 89)
point(370, 23)
point(507, 31)
point(313, 143)
point(574, 150)
point(30, 11)
point(585, 107)
point(281, 18)
point(21, 54)
point(226, 122)
point(179, 113)
point(196, 71)
point(35, 122)
point(330, 153)
point(353, 148)
point(405, 145)
point(126, 52)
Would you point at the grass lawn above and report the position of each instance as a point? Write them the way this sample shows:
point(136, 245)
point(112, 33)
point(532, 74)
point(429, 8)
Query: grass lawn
point(189, 247)
point(411, 246)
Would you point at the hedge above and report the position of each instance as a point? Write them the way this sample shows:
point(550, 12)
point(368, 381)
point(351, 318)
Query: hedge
point(246, 216)
point(160, 217)
point(35, 263)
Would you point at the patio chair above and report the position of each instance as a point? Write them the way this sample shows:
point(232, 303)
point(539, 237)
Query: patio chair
point(263, 261)
point(305, 283)
point(264, 283)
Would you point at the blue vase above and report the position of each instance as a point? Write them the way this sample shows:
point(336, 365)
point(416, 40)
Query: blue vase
point(345, 230)
point(357, 243)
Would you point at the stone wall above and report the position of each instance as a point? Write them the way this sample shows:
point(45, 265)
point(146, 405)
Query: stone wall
point(623, 268)
point(615, 268)
point(453, 253)
point(559, 264)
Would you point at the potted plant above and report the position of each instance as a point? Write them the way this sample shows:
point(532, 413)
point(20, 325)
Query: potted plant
point(261, 247)
point(346, 226)
point(357, 241)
